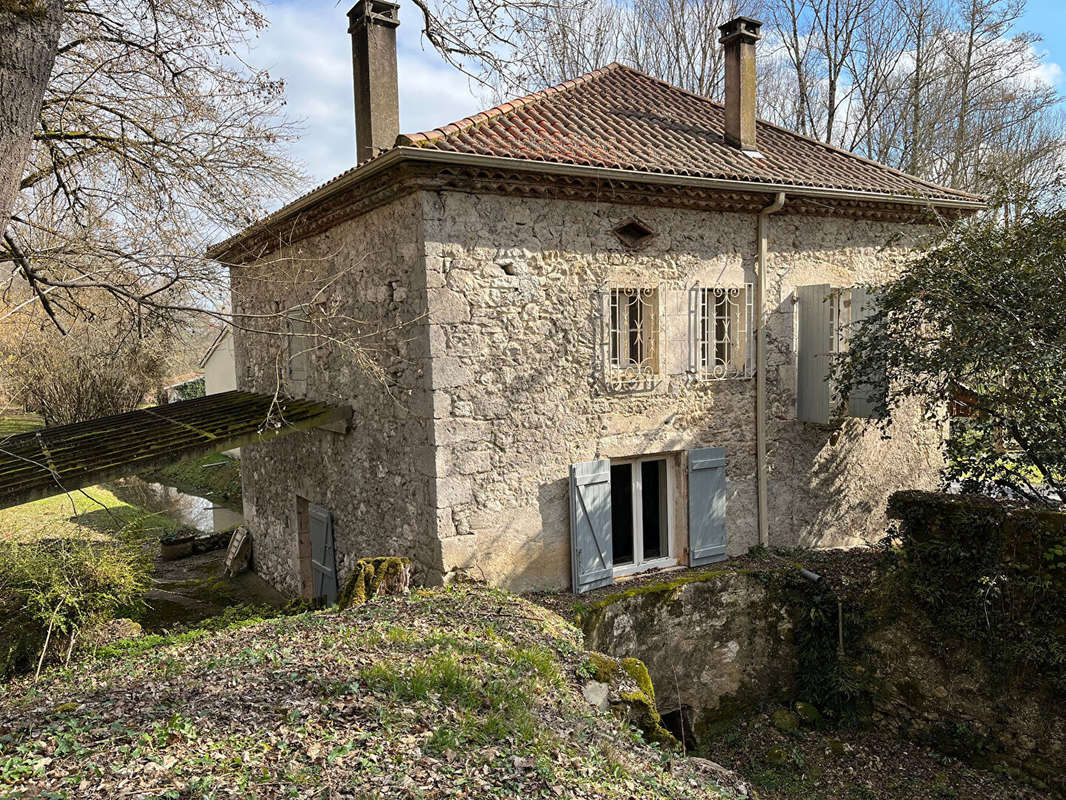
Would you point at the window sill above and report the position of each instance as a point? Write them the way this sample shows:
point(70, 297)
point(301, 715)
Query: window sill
point(645, 566)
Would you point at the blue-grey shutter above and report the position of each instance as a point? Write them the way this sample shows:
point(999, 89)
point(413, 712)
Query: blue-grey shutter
point(706, 505)
point(813, 354)
point(870, 391)
point(323, 558)
point(591, 548)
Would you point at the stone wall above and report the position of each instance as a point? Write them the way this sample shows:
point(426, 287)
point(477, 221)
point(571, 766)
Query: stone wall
point(715, 646)
point(513, 295)
point(375, 479)
point(721, 643)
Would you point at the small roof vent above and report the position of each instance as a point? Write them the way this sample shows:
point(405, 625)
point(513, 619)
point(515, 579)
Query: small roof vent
point(634, 233)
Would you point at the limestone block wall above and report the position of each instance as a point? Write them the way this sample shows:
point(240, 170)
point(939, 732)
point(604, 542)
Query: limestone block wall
point(515, 339)
point(375, 479)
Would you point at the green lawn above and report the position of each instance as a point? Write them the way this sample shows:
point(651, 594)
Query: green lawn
point(89, 513)
point(14, 423)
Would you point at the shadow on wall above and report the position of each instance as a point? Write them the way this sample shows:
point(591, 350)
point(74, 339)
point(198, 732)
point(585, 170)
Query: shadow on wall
point(841, 477)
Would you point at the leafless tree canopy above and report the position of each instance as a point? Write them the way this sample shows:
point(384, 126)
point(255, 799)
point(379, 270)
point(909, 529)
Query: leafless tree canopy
point(941, 88)
point(153, 139)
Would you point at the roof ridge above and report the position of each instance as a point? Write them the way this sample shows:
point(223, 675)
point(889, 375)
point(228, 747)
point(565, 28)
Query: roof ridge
point(427, 137)
point(803, 137)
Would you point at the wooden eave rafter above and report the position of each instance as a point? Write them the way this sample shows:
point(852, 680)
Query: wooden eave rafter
point(404, 169)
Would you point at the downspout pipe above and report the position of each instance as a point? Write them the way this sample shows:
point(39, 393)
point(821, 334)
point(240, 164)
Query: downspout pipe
point(760, 372)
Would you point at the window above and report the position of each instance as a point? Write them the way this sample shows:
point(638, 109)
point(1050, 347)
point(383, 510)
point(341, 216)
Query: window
point(298, 346)
point(839, 320)
point(633, 333)
point(723, 347)
point(826, 316)
point(640, 515)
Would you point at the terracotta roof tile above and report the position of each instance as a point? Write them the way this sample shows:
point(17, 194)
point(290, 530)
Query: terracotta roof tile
point(620, 118)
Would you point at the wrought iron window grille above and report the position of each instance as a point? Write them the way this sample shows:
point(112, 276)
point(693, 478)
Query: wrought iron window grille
point(721, 324)
point(630, 337)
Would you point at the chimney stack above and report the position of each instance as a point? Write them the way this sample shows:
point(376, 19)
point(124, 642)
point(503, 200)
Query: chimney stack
point(372, 24)
point(739, 36)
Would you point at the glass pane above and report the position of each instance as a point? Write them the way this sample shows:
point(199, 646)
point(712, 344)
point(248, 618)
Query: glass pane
point(654, 508)
point(622, 513)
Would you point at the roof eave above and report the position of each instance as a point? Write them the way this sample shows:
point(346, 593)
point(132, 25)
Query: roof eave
point(427, 155)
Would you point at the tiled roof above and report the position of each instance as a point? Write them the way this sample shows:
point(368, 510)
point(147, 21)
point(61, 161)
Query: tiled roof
point(620, 118)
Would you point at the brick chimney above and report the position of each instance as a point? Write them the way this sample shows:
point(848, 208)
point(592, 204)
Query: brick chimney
point(372, 24)
point(739, 36)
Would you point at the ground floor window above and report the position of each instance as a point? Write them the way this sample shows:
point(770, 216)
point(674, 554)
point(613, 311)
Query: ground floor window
point(640, 514)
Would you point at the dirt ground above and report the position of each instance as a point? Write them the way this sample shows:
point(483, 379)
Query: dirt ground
point(851, 764)
point(187, 590)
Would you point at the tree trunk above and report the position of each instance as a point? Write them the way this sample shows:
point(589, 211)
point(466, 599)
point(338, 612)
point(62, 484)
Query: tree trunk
point(29, 35)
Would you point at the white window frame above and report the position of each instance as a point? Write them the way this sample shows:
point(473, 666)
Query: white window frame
point(670, 559)
point(705, 341)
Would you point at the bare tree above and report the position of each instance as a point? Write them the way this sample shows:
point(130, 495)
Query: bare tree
point(29, 35)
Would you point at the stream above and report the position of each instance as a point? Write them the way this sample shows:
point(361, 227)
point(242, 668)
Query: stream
point(188, 509)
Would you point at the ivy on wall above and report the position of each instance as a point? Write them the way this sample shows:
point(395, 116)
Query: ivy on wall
point(990, 572)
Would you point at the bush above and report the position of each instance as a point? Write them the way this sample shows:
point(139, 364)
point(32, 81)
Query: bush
point(990, 572)
point(53, 590)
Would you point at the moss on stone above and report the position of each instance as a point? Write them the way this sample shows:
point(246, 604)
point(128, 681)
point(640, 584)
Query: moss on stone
point(373, 576)
point(636, 670)
point(604, 668)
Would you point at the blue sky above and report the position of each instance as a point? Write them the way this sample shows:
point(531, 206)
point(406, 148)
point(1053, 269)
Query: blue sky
point(307, 44)
point(1048, 18)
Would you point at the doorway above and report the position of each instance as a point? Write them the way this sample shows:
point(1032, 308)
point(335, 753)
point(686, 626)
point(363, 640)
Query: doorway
point(641, 518)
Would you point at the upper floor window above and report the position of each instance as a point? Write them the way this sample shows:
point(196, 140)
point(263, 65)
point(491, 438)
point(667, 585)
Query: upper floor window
point(298, 347)
point(722, 346)
point(633, 332)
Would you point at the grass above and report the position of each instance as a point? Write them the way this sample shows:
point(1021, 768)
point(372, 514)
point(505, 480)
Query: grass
point(216, 477)
point(14, 423)
point(459, 692)
point(88, 513)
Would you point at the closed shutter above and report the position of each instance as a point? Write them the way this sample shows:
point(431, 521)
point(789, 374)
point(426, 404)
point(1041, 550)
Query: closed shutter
point(299, 344)
point(869, 392)
point(813, 356)
point(591, 549)
point(706, 505)
point(323, 558)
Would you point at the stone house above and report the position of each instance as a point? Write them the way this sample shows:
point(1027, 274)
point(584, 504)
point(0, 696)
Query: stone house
point(605, 314)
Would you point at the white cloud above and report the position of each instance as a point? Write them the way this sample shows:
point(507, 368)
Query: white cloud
point(308, 45)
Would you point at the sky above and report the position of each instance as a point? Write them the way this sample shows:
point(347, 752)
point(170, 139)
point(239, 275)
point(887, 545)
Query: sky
point(307, 44)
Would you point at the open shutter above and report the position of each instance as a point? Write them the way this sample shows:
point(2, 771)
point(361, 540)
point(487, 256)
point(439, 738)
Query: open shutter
point(695, 325)
point(706, 505)
point(591, 549)
point(869, 393)
point(323, 558)
point(812, 355)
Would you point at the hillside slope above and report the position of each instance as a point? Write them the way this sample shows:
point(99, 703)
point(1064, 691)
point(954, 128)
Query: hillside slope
point(459, 692)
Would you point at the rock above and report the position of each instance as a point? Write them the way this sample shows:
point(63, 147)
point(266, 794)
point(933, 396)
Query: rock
point(631, 695)
point(785, 720)
point(940, 692)
point(595, 693)
point(838, 748)
point(808, 713)
point(725, 778)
